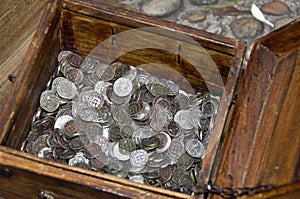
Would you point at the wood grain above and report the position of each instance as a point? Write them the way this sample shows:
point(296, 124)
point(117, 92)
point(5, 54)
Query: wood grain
point(262, 146)
point(18, 21)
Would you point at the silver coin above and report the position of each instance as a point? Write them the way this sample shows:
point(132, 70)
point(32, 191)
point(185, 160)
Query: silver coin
point(194, 148)
point(165, 142)
point(118, 155)
point(67, 90)
point(88, 115)
point(61, 121)
point(49, 102)
point(176, 148)
point(137, 178)
point(138, 158)
point(122, 87)
point(93, 129)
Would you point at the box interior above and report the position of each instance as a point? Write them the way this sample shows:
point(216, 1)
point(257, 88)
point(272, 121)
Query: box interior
point(70, 28)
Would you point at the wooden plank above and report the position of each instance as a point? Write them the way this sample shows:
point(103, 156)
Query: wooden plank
point(262, 143)
point(17, 20)
point(11, 66)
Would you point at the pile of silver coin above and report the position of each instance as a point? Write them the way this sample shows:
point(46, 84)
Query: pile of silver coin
point(120, 120)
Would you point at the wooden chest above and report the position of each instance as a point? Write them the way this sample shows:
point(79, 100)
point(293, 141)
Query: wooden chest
point(248, 127)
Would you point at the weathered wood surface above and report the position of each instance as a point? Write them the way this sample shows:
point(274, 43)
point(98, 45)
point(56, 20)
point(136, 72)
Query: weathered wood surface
point(263, 141)
point(18, 21)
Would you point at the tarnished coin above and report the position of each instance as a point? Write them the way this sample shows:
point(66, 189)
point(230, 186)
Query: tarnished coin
point(61, 121)
point(145, 94)
point(194, 148)
point(96, 164)
point(63, 54)
point(67, 154)
point(138, 158)
point(157, 89)
point(150, 143)
point(74, 75)
point(185, 161)
point(114, 133)
point(177, 174)
point(135, 108)
point(74, 60)
point(70, 129)
point(173, 129)
point(126, 131)
point(44, 126)
point(67, 90)
point(164, 142)
point(122, 87)
point(126, 146)
point(166, 173)
point(92, 150)
point(76, 144)
point(209, 108)
point(39, 144)
point(186, 181)
point(176, 148)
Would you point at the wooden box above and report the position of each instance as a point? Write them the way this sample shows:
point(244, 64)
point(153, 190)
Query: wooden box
point(80, 26)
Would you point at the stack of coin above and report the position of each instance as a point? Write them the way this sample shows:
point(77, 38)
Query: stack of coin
point(121, 120)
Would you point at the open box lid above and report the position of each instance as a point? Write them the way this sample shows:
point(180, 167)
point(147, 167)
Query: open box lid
point(262, 144)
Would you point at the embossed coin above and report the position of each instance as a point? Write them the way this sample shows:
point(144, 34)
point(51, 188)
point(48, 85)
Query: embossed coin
point(165, 173)
point(76, 144)
point(67, 90)
point(185, 161)
point(93, 129)
point(138, 158)
point(164, 142)
point(126, 131)
point(126, 146)
point(177, 174)
point(49, 102)
point(63, 54)
point(92, 150)
point(74, 60)
point(96, 100)
point(122, 87)
point(135, 108)
point(176, 148)
point(70, 129)
point(74, 75)
point(194, 148)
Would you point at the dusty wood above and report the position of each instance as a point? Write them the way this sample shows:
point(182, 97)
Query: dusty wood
point(79, 28)
point(262, 146)
point(17, 21)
